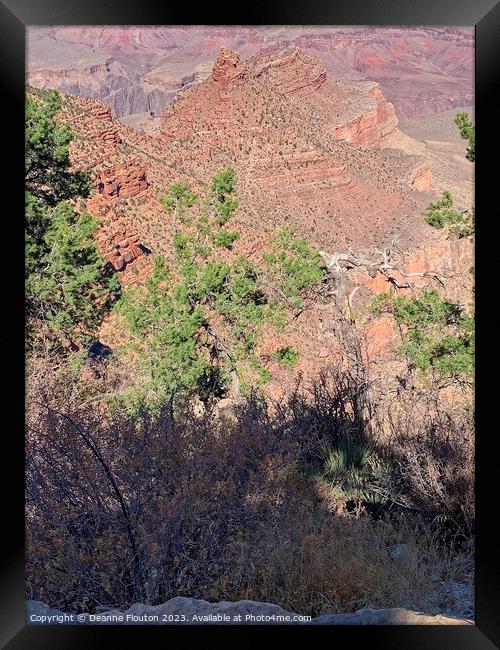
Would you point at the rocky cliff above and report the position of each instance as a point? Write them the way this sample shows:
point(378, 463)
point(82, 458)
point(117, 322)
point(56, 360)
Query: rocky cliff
point(123, 180)
point(288, 127)
point(357, 112)
point(272, 117)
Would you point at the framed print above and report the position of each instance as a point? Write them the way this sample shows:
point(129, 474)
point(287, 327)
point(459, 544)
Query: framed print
point(252, 279)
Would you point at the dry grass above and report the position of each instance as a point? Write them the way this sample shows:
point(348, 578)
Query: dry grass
point(123, 509)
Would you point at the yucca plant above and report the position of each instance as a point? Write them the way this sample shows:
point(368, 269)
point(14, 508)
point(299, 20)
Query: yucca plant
point(356, 471)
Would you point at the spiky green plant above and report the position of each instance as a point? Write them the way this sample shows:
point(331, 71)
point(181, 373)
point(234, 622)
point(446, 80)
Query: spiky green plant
point(357, 472)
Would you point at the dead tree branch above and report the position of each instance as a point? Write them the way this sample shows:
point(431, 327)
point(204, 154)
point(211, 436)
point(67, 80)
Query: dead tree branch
point(339, 262)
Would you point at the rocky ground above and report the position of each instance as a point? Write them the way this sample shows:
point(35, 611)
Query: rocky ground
point(445, 150)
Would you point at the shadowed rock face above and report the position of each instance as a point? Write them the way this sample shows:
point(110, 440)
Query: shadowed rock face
point(421, 70)
point(192, 611)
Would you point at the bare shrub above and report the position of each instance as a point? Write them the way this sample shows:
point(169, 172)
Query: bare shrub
point(124, 508)
point(436, 466)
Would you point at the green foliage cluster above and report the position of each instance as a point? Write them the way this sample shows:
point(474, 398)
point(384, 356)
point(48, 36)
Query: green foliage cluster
point(437, 334)
point(69, 286)
point(47, 175)
point(173, 328)
point(287, 356)
point(226, 238)
point(468, 132)
point(183, 356)
point(443, 213)
point(173, 316)
point(215, 213)
point(223, 187)
point(178, 199)
point(294, 266)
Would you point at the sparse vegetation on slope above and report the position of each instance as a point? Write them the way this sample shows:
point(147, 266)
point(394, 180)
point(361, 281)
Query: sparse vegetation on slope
point(199, 322)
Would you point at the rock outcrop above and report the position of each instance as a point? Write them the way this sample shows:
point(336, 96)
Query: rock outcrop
point(292, 71)
point(311, 169)
point(421, 176)
point(108, 131)
point(123, 180)
point(303, 144)
point(190, 611)
point(356, 112)
point(373, 123)
point(228, 67)
point(121, 248)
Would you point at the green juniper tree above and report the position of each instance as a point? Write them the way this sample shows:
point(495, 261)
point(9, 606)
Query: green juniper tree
point(69, 286)
point(294, 266)
point(176, 202)
point(197, 324)
point(468, 132)
point(47, 174)
point(441, 213)
point(438, 336)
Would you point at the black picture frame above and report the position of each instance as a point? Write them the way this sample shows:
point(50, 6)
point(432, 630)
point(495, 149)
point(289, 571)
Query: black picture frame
point(14, 16)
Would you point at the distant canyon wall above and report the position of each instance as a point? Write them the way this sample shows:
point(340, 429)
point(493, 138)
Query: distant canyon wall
point(141, 69)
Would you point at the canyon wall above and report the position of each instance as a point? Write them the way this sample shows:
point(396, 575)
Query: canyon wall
point(421, 70)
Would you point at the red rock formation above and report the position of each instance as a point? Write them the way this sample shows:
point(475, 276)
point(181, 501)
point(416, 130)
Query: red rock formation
point(99, 110)
point(421, 176)
point(274, 122)
point(356, 112)
point(96, 120)
point(228, 67)
point(359, 113)
point(303, 168)
point(421, 69)
point(120, 248)
point(292, 71)
point(123, 180)
point(108, 133)
point(381, 336)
